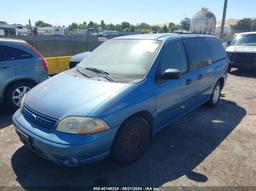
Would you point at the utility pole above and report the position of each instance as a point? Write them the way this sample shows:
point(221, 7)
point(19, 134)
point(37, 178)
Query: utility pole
point(223, 18)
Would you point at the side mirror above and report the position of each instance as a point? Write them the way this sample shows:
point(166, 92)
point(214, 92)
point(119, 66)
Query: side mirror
point(229, 43)
point(172, 74)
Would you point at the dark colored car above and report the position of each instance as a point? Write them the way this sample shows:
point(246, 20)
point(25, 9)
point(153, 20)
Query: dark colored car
point(242, 51)
point(21, 68)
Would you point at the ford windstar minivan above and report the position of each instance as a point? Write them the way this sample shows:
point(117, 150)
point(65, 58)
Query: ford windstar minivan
point(119, 96)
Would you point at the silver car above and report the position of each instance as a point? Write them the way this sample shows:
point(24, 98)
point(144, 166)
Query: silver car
point(21, 68)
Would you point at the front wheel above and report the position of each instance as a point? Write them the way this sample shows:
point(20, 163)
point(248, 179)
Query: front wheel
point(215, 97)
point(15, 94)
point(131, 141)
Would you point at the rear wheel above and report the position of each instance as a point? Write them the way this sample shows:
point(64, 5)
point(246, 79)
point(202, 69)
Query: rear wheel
point(215, 97)
point(131, 141)
point(15, 94)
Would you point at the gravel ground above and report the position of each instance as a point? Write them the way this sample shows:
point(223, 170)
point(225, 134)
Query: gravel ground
point(209, 147)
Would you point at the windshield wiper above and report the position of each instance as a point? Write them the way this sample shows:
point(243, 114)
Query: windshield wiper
point(97, 70)
point(82, 73)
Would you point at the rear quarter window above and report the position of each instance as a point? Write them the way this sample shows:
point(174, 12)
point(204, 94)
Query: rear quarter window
point(16, 53)
point(3, 55)
point(217, 49)
point(198, 51)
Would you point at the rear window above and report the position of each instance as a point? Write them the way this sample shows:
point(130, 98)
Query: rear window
point(217, 49)
point(17, 54)
point(198, 52)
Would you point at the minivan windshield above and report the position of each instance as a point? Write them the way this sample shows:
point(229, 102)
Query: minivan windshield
point(244, 40)
point(122, 60)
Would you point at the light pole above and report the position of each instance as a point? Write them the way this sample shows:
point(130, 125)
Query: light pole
point(223, 18)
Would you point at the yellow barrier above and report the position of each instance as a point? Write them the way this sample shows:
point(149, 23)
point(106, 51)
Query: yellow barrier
point(57, 64)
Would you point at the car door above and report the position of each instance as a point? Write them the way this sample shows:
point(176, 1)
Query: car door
point(7, 71)
point(22, 61)
point(173, 96)
point(200, 66)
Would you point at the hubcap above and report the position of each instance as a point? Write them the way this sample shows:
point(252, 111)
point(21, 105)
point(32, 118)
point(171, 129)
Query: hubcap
point(18, 94)
point(216, 94)
point(132, 140)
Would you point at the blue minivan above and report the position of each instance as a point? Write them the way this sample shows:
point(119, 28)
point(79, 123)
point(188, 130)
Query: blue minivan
point(119, 96)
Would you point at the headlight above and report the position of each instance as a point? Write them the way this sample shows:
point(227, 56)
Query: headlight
point(82, 125)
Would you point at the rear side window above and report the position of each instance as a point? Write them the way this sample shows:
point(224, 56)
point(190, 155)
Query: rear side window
point(17, 54)
point(3, 56)
point(198, 53)
point(174, 57)
point(217, 49)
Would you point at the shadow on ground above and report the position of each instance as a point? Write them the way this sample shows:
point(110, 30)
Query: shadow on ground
point(5, 117)
point(174, 152)
point(244, 73)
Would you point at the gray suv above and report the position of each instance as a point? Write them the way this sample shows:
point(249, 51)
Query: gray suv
point(21, 68)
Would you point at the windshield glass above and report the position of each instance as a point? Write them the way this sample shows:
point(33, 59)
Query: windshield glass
point(244, 39)
point(130, 59)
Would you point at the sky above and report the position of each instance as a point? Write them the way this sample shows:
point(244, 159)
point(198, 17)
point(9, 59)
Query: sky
point(64, 12)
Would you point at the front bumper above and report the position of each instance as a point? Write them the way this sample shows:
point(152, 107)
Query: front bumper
point(62, 148)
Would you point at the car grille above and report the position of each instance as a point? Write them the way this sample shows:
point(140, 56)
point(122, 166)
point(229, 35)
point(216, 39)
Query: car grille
point(242, 57)
point(38, 118)
point(72, 64)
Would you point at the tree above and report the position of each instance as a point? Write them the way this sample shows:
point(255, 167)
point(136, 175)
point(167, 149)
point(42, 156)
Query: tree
point(172, 27)
point(82, 25)
point(42, 24)
point(185, 24)
point(125, 26)
point(73, 26)
point(244, 25)
point(164, 28)
point(111, 27)
point(102, 25)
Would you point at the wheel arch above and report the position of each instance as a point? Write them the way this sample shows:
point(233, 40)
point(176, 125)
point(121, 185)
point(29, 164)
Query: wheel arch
point(17, 81)
point(146, 115)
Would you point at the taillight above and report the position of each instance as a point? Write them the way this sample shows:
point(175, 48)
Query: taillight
point(45, 64)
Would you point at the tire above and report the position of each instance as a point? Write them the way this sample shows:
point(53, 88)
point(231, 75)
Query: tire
point(131, 141)
point(215, 97)
point(15, 93)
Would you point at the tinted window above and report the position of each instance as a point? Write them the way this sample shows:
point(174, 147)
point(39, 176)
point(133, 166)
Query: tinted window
point(198, 52)
point(217, 49)
point(174, 57)
point(17, 54)
point(3, 56)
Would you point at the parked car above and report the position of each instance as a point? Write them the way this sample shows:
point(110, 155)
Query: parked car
point(21, 68)
point(77, 58)
point(242, 51)
point(119, 96)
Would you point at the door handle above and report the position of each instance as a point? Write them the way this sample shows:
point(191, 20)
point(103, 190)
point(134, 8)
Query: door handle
point(200, 76)
point(188, 82)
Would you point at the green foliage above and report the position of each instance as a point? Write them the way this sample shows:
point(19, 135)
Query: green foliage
point(42, 24)
point(123, 27)
point(185, 24)
point(244, 25)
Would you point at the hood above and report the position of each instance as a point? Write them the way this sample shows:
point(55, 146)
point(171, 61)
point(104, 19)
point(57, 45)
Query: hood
point(79, 57)
point(243, 49)
point(70, 94)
